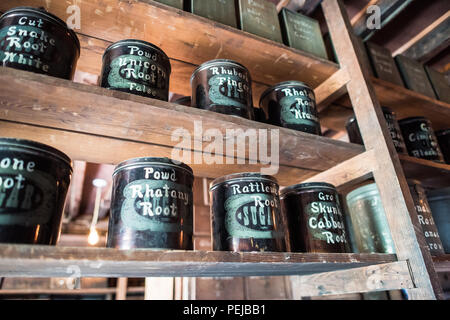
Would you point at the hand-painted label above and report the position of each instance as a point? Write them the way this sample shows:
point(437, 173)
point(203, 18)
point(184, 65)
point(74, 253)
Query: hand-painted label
point(138, 72)
point(251, 215)
point(155, 205)
point(26, 44)
point(396, 136)
point(228, 86)
point(325, 219)
point(27, 195)
point(428, 227)
point(423, 143)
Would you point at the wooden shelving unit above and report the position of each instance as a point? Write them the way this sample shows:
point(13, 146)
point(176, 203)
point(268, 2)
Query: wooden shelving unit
point(96, 125)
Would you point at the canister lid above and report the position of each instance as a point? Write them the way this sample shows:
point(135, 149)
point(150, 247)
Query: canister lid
point(36, 147)
point(284, 84)
point(51, 17)
point(211, 63)
point(412, 119)
point(307, 186)
point(243, 176)
point(138, 43)
point(148, 161)
point(368, 190)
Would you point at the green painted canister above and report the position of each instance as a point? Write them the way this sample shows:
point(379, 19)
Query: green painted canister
point(370, 225)
point(439, 201)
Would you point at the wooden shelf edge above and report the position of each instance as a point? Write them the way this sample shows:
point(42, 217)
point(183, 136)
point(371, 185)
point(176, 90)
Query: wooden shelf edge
point(431, 174)
point(49, 261)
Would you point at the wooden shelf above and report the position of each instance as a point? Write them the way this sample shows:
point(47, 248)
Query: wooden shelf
point(442, 263)
point(431, 174)
point(405, 102)
point(187, 39)
point(104, 126)
point(82, 291)
point(49, 261)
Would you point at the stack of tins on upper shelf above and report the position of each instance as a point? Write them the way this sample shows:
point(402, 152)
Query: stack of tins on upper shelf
point(188, 40)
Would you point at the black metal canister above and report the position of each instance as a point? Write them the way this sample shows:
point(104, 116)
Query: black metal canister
point(223, 86)
point(291, 104)
point(355, 135)
point(34, 179)
point(136, 67)
point(33, 39)
point(151, 205)
point(443, 137)
point(314, 218)
point(420, 139)
point(246, 213)
point(426, 221)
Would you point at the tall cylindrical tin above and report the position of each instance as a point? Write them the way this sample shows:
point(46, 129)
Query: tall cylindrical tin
point(136, 67)
point(443, 137)
point(34, 179)
point(245, 213)
point(151, 205)
point(33, 39)
point(355, 135)
point(426, 221)
point(291, 104)
point(314, 218)
point(370, 225)
point(420, 139)
point(439, 201)
point(223, 86)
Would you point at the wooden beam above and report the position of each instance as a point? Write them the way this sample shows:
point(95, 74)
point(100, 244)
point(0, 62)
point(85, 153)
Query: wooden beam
point(75, 190)
point(48, 261)
point(46, 101)
point(389, 9)
point(421, 34)
point(282, 4)
point(351, 171)
point(331, 89)
point(428, 43)
point(121, 290)
point(394, 191)
point(383, 277)
point(362, 13)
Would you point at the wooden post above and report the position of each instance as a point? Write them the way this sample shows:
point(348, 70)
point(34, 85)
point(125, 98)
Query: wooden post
point(121, 292)
point(398, 204)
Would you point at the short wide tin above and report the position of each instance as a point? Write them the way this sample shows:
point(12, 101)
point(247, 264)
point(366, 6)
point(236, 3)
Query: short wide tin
point(223, 86)
point(314, 218)
point(291, 104)
point(35, 40)
point(151, 205)
point(246, 214)
point(136, 67)
point(34, 179)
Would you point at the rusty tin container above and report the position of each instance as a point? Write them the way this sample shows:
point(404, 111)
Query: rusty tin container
point(137, 67)
point(151, 205)
point(35, 40)
point(223, 86)
point(246, 213)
